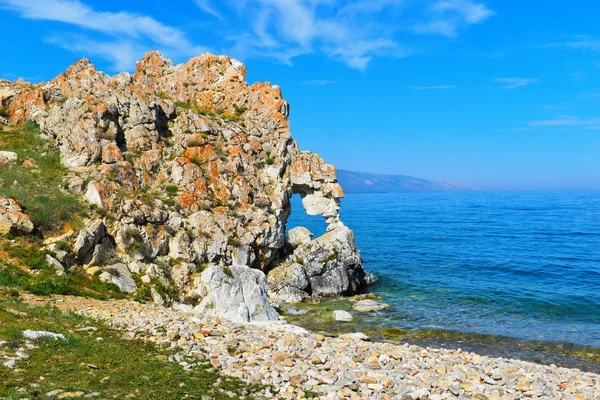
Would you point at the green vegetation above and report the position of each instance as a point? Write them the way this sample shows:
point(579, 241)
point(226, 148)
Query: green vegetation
point(331, 257)
point(195, 143)
point(45, 282)
point(132, 155)
point(37, 190)
point(233, 241)
point(218, 112)
point(172, 190)
point(197, 160)
point(135, 241)
point(114, 367)
point(269, 161)
point(240, 110)
point(4, 112)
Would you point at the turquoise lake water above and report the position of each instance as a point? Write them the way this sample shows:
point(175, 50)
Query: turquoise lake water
point(524, 265)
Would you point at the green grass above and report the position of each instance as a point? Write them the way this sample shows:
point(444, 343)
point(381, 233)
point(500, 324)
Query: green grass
point(4, 112)
point(38, 190)
point(114, 367)
point(45, 282)
point(216, 113)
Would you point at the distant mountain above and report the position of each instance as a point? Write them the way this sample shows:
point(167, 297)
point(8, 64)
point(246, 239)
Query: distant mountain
point(364, 182)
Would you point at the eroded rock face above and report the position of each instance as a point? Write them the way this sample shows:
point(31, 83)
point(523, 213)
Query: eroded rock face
point(12, 218)
point(192, 168)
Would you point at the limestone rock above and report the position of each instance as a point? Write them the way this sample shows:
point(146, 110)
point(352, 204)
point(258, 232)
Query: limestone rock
point(120, 275)
point(355, 336)
point(92, 242)
point(342, 316)
point(34, 335)
point(299, 235)
point(237, 293)
point(369, 305)
point(8, 156)
point(54, 263)
point(12, 218)
point(327, 266)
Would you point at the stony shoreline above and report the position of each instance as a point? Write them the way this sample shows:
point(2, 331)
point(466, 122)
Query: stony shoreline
point(297, 363)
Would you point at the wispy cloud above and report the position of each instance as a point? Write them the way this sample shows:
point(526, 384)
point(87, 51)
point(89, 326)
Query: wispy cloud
point(513, 83)
point(438, 87)
point(353, 31)
point(126, 31)
point(447, 16)
point(208, 8)
point(568, 121)
point(318, 82)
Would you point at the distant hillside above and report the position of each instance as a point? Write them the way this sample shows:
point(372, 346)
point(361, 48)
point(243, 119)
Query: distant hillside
point(364, 182)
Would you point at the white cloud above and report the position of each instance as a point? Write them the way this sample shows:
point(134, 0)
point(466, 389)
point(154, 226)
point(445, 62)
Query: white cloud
point(206, 6)
point(513, 83)
point(125, 29)
point(568, 121)
point(447, 16)
point(318, 82)
point(353, 32)
point(435, 87)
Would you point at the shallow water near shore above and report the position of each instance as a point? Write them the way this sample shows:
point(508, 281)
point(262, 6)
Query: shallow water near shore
point(506, 274)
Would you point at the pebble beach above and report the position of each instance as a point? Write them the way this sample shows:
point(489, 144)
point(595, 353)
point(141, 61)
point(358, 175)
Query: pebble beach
point(294, 363)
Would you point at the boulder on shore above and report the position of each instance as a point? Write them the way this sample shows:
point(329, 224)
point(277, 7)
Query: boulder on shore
point(329, 265)
point(238, 293)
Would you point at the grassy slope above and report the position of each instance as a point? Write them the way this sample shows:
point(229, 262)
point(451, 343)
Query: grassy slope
point(37, 190)
point(118, 367)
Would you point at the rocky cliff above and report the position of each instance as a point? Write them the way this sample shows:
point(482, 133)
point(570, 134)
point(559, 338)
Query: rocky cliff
point(189, 171)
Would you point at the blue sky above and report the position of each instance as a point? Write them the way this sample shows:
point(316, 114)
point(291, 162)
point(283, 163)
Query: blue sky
point(500, 94)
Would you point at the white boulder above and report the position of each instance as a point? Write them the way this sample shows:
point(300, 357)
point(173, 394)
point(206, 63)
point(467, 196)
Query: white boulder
point(237, 293)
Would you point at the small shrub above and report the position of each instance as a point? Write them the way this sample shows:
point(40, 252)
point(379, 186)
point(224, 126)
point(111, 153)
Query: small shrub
point(110, 257)
point(172, 190)
point(332, 257)
point(143, 294)
point(239, 110)
point(220, 152)
point(195, 143)
point(31, 127)
point(233, 241)
point(62, 245)
point(163, 95)
point(135, 241)
point(262, 203)
point(132, 156)
point(269, 161)
point(4, 112)
point(197, 160)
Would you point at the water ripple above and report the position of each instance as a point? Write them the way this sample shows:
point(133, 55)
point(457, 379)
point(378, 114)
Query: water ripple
point(525, 265)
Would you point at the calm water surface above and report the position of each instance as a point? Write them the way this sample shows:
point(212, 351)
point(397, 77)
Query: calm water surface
point(524, 265)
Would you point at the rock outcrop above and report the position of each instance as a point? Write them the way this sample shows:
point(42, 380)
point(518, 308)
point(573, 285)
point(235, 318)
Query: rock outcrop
point(326, 266)
point(13, 219)
point(191, 168)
